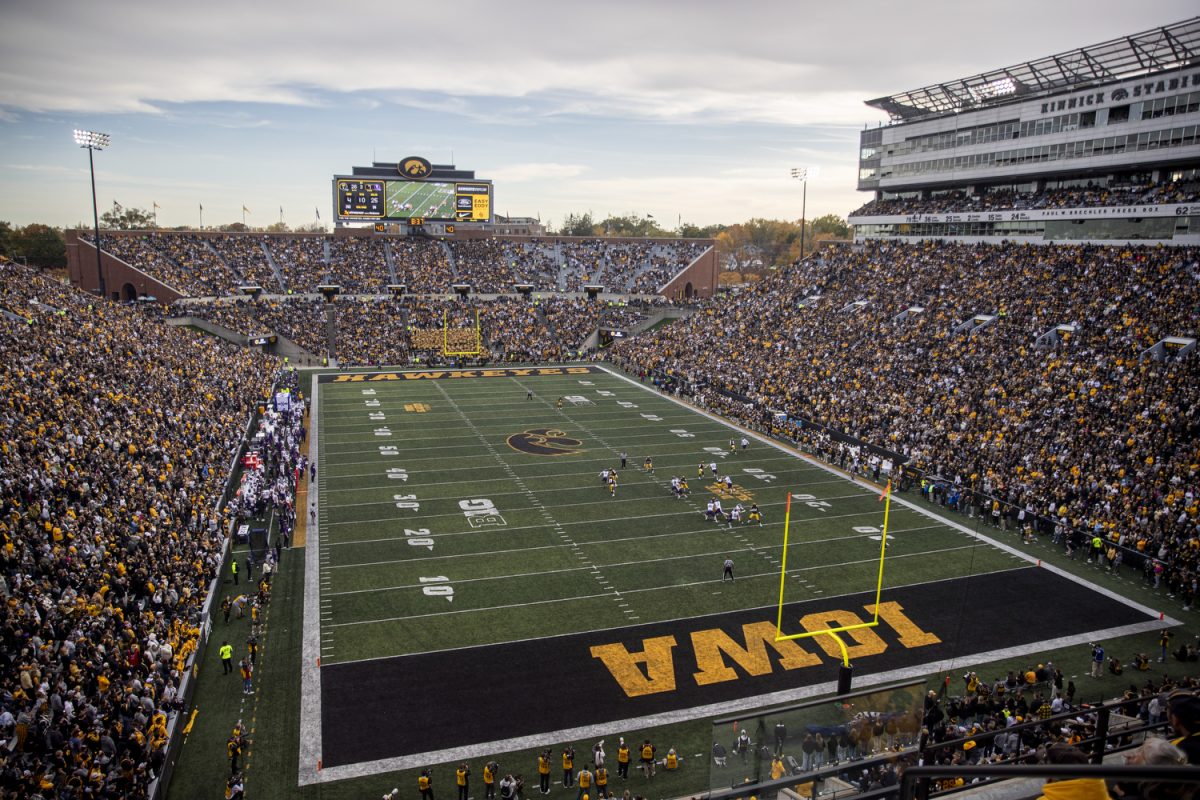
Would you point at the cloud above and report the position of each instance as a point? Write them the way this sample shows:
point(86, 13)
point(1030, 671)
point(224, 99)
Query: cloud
point(520, 173)
point(764, 61)
point(470, 108)
point(47, 169)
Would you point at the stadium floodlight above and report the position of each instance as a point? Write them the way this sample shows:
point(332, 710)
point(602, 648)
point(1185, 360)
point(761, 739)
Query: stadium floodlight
point(801, 174)
point(93, 140)
point(997, 88)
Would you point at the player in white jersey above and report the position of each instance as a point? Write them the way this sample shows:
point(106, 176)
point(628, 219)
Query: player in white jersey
point(719, 516)
point(712, 467)
point(710, 513)
point(735, 514)
point(675, 487)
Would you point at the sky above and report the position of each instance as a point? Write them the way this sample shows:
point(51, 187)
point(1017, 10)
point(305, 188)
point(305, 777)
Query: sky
point(686, 110)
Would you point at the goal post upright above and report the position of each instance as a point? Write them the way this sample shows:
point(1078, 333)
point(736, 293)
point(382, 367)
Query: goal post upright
point(833, 631)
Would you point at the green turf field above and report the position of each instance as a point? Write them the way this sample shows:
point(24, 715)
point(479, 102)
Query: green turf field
point(405, 569)
point(461, 519)
point(462, 512)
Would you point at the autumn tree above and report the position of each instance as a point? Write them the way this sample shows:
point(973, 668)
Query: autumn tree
point(40, 245)
point(127, 219)
point(578, 225)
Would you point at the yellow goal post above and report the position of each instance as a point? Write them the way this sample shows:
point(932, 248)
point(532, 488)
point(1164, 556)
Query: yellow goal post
point(833, 631)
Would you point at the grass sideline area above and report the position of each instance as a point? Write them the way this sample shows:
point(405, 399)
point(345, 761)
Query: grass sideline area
point(565, 559)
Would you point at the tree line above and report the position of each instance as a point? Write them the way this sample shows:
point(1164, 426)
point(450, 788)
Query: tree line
point(751, 246)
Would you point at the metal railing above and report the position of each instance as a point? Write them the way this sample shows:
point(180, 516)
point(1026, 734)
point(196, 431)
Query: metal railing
point(917, 780)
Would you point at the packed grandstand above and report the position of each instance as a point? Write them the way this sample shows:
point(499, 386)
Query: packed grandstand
point(110, 518)
point(1024, 384)
point(203, 265)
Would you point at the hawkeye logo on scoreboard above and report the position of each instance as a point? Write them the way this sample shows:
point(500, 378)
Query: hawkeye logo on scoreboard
point(544, 442)
point(415, 167)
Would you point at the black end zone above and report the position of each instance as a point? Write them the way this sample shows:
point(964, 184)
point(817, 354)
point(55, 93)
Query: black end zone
point(393, 707)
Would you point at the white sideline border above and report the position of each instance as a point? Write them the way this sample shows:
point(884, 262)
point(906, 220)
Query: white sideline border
point(310, 701)
point(310, 752)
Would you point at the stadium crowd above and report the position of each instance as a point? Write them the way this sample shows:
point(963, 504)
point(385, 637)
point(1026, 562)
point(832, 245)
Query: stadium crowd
point(494, 266)
point(619, 265)
point(423, 265)
point(119, 436)
point(302, 262)
point(246, 257)
point(1003, 199)
point(213, 265)
point(947, 355)
point(622, 317)
point(572, 319)
point(163, 259)
point(1087, 434)
point(359, 265)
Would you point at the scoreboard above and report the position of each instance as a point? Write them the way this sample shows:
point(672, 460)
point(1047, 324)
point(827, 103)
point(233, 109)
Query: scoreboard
point(473, 202)
point(403, 200)
point(359, 199)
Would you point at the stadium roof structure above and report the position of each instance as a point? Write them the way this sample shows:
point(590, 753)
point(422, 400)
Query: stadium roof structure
point(1171, 46)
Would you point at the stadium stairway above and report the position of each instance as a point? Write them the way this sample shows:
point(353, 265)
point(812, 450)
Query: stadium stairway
point(390, 259)
point(450, 259)
point(541, 315)
point(561, 264)
point(283, 346)
point(187, 269)
point(274, 267)
point(208, 245)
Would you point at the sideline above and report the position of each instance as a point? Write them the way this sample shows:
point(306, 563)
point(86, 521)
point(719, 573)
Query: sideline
point(309, 750)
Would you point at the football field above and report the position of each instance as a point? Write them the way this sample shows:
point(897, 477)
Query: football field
point(466, 549)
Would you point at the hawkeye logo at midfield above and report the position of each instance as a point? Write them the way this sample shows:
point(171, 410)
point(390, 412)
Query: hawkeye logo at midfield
point(544, 442)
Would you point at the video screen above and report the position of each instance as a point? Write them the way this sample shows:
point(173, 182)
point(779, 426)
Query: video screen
point(427, 199)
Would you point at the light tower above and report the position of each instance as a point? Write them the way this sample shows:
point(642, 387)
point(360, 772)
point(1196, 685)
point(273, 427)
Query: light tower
point(801, 174)
point(94, 141)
